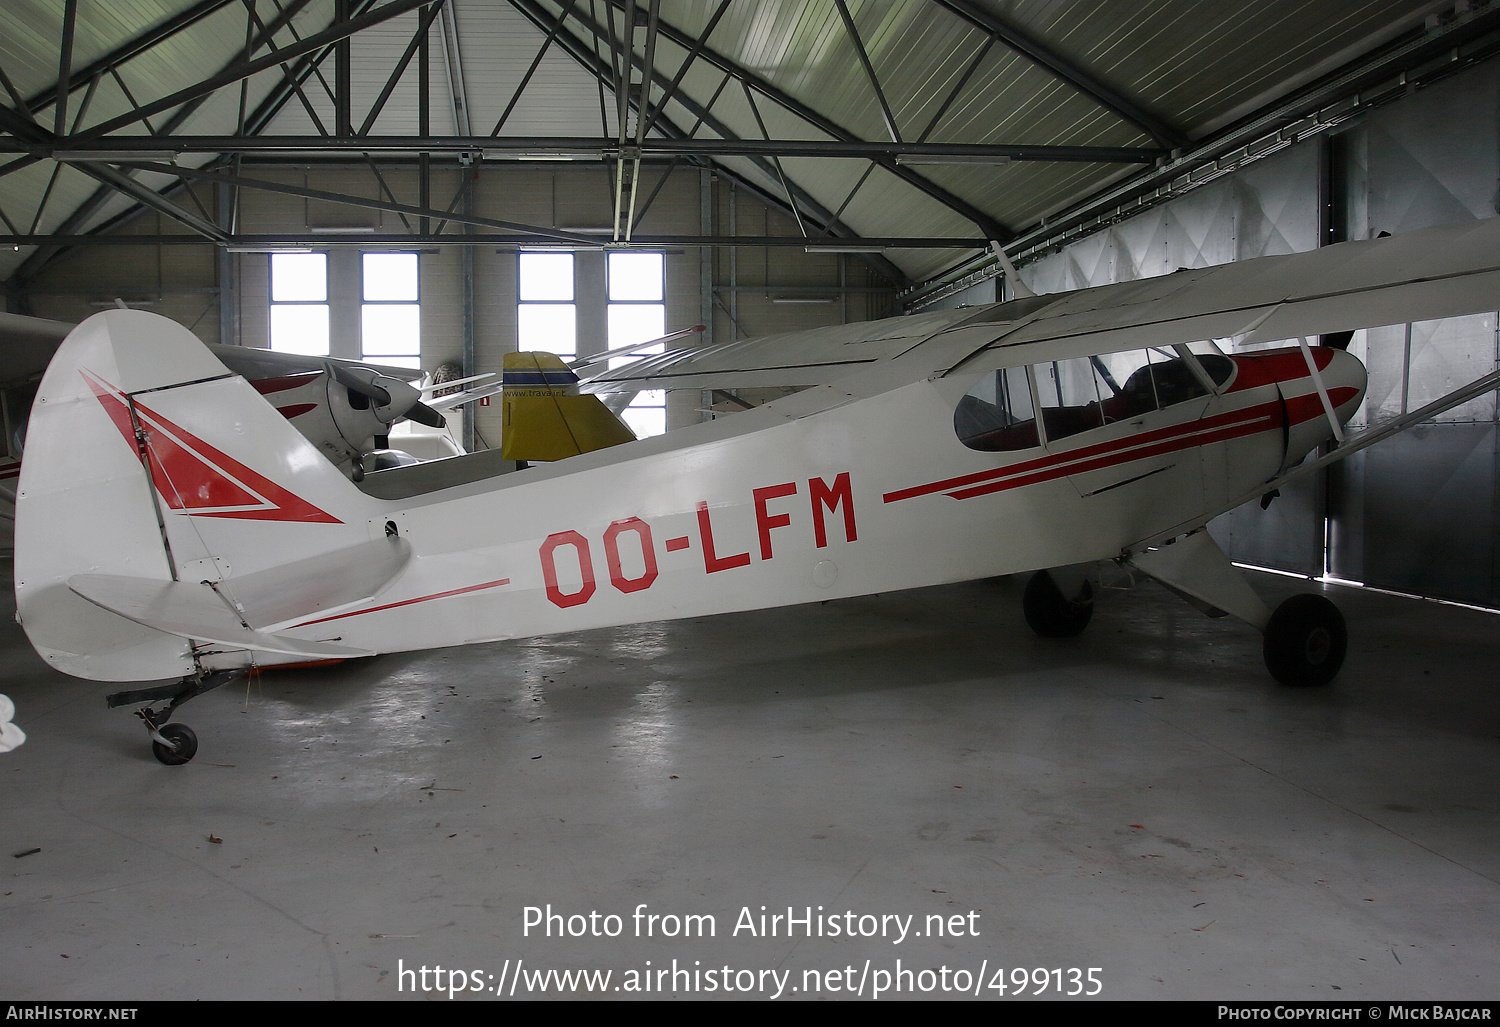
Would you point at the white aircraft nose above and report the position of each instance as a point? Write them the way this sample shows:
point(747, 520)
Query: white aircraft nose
point(1345, 378)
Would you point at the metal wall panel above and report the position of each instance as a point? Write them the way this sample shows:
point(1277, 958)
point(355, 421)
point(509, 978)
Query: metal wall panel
point(1419, 513)
point(1423, 514)
point(1415, 514)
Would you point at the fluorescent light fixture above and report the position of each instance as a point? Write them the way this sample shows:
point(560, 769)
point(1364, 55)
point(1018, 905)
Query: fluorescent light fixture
point(109, 156)
point(268, 249)
point(344, 230)
point(950, 158)
point(549, 155)
point(843, 248)
point(810, 300)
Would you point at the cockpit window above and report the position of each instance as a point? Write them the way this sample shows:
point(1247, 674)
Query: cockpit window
point(996, 415)
point(1078, 395)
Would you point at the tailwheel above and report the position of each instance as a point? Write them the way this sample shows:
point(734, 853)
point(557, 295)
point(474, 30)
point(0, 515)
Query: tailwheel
point(1305, 641)
point(172, 744)
point(1051, 614)
point(181, 744)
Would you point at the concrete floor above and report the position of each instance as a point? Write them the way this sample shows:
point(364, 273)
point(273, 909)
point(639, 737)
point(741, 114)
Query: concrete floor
point(1143, 800)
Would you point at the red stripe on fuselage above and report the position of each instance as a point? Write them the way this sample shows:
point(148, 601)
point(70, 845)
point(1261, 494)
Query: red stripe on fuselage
point(1205, 431)
point(1275, 367)
point(405, 602)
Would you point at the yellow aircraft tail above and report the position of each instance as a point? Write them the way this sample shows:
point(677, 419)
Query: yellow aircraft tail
point(544, 417)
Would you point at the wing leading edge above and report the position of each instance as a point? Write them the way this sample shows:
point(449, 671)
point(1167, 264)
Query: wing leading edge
point(1445, 271)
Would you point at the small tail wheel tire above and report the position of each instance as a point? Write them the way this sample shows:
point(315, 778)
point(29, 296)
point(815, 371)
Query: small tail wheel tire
point(1051, 614)
point(183, 748)
point(1305, 642)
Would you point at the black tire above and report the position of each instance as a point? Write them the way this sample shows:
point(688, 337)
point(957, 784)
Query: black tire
point(1049, 613)
point(184, 745)
point(1305, 642)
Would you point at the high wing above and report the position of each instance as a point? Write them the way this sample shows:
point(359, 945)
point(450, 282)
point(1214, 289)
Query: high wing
point(816, 356)
point(1437, 272)
point(27, 344)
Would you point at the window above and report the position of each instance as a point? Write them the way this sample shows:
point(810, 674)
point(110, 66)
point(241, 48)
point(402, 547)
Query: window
point(1078, 395)
point(545, 317)
point(638, 313)
point(390, 321)
point(996, 415)
point(299, 303)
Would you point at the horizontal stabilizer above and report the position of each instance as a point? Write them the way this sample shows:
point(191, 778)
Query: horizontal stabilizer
point(193, 611)
point(235, 611)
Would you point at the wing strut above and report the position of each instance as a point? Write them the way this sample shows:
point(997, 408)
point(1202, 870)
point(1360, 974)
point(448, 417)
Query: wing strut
point(1317, 377)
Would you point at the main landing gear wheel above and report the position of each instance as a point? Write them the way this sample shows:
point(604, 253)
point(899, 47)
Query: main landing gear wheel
point(1305, 641)
point(1049, 613)
point(182, 747)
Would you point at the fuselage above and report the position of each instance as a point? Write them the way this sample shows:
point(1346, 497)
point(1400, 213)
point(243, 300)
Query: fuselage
point(870, 495)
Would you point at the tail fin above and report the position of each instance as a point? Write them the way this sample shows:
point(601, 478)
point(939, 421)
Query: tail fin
point(147, 459)
point(544, 416)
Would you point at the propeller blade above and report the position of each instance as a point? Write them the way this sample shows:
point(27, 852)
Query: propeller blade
point(424, 414)
point(349, 380)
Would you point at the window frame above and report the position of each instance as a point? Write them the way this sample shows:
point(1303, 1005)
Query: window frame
point(392, 359)
point(647, 401)
point(274, 304)
point(527, 345)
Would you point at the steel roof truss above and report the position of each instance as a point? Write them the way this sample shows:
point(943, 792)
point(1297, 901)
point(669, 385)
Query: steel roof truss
point(1151, 124)
point(987, 224)
point(536, 62)
point(864, 59)
point(687, 63)
point(64, 67)
point(240, 71)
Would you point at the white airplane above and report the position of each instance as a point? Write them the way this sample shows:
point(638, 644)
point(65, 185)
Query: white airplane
point(170, 524)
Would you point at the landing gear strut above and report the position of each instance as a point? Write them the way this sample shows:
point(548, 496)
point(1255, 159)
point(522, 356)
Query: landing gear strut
point(1051, 614)
point(172, 744)
point(1305, 641)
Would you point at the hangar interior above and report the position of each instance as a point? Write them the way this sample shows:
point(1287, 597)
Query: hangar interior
point(1140, 799)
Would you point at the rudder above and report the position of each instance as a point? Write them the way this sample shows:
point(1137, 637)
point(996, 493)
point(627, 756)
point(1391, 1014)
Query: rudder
point(148, 459)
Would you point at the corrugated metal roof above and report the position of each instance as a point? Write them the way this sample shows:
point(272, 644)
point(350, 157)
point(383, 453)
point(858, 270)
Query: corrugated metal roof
point(1099, 74)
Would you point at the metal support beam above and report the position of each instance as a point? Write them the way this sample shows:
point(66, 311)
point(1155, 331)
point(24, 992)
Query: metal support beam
point(536, 62)
point(864, 59)
point(590, 60)
point(537, 234)
point(153, 199)
point(418, 41)
point(516, 240)
point(990, 227)
point(574, 147)
point(343, 76)
point(687, 63)
point(138, 45)
point(33, 264)
point(65, 67)
point(1425, 58)
point(1156, 127)
point(246, 69)
point(453, 60)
